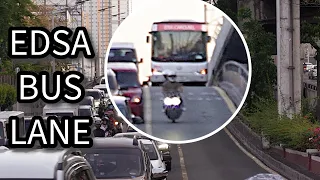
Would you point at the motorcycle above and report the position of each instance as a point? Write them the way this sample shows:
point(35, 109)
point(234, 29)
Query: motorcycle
point(172, 105)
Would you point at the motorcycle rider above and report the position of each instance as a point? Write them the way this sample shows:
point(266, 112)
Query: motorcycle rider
point(98, 132)
point(171, 85)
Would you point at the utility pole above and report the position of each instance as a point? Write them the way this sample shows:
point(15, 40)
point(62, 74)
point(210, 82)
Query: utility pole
point(288, 57)
point(53, 59)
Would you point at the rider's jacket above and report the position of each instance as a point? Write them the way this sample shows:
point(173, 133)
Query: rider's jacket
point(171, 87)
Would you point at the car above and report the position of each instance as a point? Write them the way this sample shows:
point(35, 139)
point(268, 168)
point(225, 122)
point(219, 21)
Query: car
point(123, 105)
point(313, 73)
point(39, 164)
point(119, 158)
point(86, 110)
point(123, 52)
point(128, 80)
point(164, 148)
point(96, 94)
point(87, 100)
point(154, 154)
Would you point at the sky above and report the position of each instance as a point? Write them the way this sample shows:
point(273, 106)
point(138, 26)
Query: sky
point(136, 26)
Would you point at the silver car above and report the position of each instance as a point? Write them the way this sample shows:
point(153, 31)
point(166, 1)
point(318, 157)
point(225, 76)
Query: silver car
point(313, 73)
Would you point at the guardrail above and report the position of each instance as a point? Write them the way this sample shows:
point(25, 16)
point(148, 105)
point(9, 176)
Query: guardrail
point(233, 79)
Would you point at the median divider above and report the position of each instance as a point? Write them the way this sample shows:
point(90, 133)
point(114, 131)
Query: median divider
point(253, 142)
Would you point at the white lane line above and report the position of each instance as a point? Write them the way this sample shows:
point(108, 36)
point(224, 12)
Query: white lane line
point(147, 111)
point(232, 108)
point(256, 160)
point(182, 165)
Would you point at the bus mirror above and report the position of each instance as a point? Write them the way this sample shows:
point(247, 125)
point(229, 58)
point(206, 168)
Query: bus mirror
point(147, 40)
point(209, 38)
point(141, 60)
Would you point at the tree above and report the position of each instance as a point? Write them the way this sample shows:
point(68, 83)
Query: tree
point(7, 96)
point(310, 33)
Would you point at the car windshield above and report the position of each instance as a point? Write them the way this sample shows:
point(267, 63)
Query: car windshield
point(179, 46)
point(86, 101)
point(85, 112)
point(151, 151)
point(115, 163)
point(112, 81)
point(1, 130)
point(122, 55)
point(127, 79)
point(95, 94)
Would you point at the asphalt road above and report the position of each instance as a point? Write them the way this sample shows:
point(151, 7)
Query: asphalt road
point(206, 111)
point(215, 158)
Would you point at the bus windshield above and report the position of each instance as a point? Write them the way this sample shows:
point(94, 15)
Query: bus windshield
point(122, 55)
point(179, 46)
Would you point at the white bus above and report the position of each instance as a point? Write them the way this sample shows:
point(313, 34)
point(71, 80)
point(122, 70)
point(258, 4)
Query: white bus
point(180, 46)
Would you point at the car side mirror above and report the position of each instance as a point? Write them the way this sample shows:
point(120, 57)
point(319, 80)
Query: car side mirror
point(209, 38)
point(148, 39)
point(141, 60)
point(137, 120)
point(159, 173)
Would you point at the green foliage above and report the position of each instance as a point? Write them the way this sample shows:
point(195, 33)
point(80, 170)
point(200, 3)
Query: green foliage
point(264, 71)
point(294, 133)
point(34, 67)
point(7, 96)
point(13, 13)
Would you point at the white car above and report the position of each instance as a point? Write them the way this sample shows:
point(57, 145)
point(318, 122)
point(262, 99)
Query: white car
point(313, 73)
point(154, 154)
point(39, 164)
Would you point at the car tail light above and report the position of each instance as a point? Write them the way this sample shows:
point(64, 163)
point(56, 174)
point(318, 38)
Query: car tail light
point(203, 71)
point(136, 99)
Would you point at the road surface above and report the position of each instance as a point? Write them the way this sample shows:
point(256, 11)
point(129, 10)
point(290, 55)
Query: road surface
point(206, 111)
point(216, 157)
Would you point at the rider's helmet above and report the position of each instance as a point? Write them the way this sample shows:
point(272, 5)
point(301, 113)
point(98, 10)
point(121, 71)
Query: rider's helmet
point(97, 121)
point(170, 75)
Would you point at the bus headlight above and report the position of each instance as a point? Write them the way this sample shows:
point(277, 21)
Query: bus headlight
point(203, 71)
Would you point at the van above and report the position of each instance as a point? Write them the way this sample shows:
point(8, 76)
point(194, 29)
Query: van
point(123, 52)
point(4, 120)
point(60, 109)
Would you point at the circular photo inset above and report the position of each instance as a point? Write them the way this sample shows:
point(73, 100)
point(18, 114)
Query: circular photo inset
point(178, 75)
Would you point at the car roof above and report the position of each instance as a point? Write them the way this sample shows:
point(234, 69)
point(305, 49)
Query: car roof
point(146, 141)
point(85, 107)
point(119, 99)
point(110, 142)
point(118, 45)
point(92, 90)
point(110, 72)
point(103, 86)
point(88, 97)
point(122, 66)
point(7, 114)
point(60, 106)
point(27, 166)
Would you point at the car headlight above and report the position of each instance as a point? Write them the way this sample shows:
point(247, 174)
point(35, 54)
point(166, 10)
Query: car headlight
point(116, 123)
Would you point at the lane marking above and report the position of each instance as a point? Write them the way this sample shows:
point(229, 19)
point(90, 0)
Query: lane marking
point(256, 160)
point(226, 99)
point(147, 108)
point(232, 108)
point(182, 164)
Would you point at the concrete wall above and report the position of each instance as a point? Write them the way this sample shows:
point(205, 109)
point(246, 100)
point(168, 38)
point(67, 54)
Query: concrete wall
point(221, 42)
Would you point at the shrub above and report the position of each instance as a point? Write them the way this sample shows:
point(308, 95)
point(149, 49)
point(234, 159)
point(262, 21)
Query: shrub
point(7, 96)
point(294, 133)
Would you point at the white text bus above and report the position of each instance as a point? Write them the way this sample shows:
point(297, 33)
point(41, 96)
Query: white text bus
point(180, 46)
